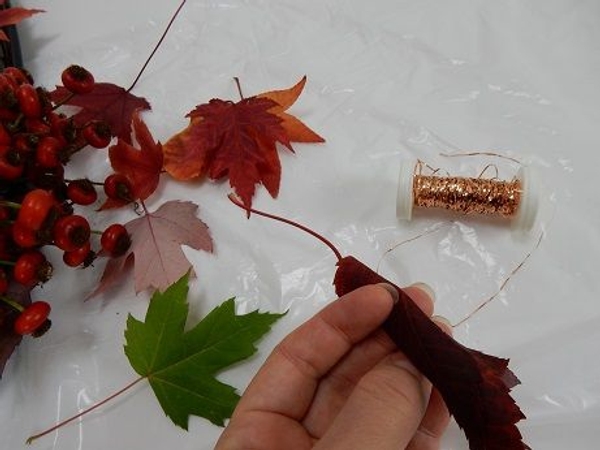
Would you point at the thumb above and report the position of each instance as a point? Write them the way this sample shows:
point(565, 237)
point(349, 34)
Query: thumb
point(384, 409)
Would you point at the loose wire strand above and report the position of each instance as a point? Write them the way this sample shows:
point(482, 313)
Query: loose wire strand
point(495, 167)
point(516, 269)
point(487, 301)
point(432, 230)
point(496, 155)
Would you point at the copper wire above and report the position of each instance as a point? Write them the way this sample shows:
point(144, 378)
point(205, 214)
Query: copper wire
point(467, 195)
point(502, 286)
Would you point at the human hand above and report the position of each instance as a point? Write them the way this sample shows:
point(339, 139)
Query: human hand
point(339, 382)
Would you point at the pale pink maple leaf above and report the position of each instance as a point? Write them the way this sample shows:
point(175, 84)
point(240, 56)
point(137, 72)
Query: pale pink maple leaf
point(155, 252)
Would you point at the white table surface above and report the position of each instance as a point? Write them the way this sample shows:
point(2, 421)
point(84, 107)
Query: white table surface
point(387, 81)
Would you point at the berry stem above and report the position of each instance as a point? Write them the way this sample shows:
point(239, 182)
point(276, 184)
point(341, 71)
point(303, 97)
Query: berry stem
point(63, 101)
point(9, 204)
point(324, 240)
point(156, 47)
point(11, 302)
point(95, 183)
point(34, 437)
point(15, 124)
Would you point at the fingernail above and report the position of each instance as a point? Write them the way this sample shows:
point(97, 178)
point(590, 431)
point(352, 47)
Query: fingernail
point(441, 320)
point(391, 289)
point(425, 288)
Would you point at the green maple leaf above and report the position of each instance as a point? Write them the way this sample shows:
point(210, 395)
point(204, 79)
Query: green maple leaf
point(181, 365)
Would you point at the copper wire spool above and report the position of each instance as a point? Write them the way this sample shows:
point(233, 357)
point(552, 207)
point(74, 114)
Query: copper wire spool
point(516, 200)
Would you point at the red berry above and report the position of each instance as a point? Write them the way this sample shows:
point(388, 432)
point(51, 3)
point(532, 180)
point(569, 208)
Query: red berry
point(25, 142)
point(97, 133)
point(48, 152)
point(7, 114)
point(29, 101)
point(82, 192)
point(81, 256)
point(32, 267)
point(5, 138)
point(20, 76)
point(3, 281)
point(8, 86)
point(32, 318)
point(37, 126)
point(71, 232)
point(62, 127)
point(6, 245)
point(78, 80)
point(35, 208)
point(4, 214)
point(11, 163)
point(115, 240)
point(24, 237)
point(118, 187)
point(45, 100)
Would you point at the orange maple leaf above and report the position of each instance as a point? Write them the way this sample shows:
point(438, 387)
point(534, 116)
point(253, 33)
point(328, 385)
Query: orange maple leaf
point(296, 130)
point(238, 141)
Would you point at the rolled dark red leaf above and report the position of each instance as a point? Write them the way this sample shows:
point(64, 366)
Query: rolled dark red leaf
point(475, 386)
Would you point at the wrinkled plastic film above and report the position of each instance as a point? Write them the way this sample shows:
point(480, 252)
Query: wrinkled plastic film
point(387, 82)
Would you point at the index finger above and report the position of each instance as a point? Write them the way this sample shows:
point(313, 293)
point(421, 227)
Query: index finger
point(287, 381)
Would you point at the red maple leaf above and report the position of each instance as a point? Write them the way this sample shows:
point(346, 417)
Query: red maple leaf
point(8, 338)
point(107, 102)
point(238, 141)
point(155, 251)
point(142, 166)
point(12, 16)
point(475, 386)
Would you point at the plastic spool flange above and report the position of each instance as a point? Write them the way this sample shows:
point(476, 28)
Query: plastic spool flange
point(530, 199)
point(404, 198)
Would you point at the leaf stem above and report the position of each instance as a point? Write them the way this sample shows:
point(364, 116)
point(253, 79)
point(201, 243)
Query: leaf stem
point(324, 240)
point(239, 87)
point(143, 205)
point(34, 437)
point(9, 204)
point(158, 44)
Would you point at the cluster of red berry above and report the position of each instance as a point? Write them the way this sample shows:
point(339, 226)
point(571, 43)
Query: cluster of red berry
point(38, 205)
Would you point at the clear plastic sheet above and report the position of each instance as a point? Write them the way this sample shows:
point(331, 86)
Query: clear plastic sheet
point(387, 81)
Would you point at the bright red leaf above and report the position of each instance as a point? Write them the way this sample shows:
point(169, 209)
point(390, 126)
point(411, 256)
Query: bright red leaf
point(155, 252)
point(107, 102)
point(142, 166)
point(12, 16)
point(238, 141)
